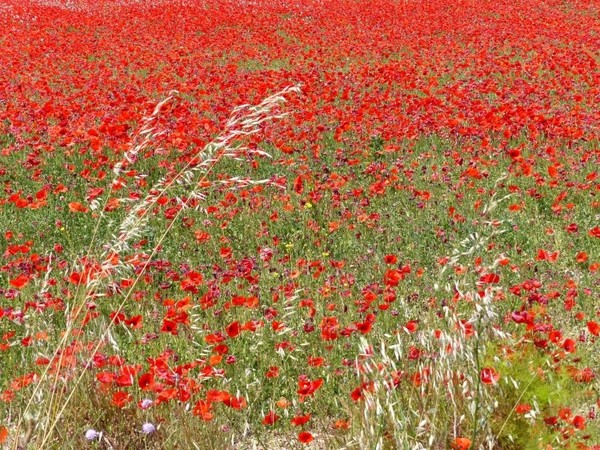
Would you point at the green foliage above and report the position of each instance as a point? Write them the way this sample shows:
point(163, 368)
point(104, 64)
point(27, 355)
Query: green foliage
point(532, 389)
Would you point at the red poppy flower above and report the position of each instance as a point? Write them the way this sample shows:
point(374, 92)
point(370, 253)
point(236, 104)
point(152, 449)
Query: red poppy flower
point(593, 328)
point(203, 410)
point(390, 259)
point(146, 381)
point(300, 420)
point(77, 207)
point(461, 443)
point(233, 329)
point(341, 424)
point(307, 387)
point(106, 377)
point(489, 278)
point(489, 375)
point(305, 437)
point(270, 418)
point(236, 402)
point(522, 408)
point(20, 281)
point(121, 399)
point(569, 345)
point(214, 396)
point(273, 372)
point(579, 422)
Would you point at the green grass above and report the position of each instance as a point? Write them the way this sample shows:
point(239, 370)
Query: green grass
point(419, 231)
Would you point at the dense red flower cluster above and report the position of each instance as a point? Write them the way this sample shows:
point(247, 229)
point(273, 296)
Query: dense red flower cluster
point(490, 83)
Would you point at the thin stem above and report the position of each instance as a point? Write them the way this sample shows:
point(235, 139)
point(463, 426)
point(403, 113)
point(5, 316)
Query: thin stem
point(221, 146)
point(478, 385)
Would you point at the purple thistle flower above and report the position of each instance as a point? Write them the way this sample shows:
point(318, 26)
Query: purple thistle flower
point(92, 435)
point(146, 403)
point(148, 428)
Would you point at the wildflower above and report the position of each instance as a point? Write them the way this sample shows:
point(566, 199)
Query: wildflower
point(594, 328)
point(341, 424)
point(92, 435)
point(145, 403)
point(569, 345)
point(283, 403)
point(300, 420)
point(579, 422)
point(489, 375)
point(390, 259)
point(461, 443)
point(305, 437)
point(270, 418)
point(148, 428)
point(523, 408)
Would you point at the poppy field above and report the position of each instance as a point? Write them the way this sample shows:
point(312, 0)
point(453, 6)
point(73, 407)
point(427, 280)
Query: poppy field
point(269, 224)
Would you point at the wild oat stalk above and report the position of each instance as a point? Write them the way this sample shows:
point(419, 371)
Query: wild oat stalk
point(244, 121)
point(401, 412)
point(142, 139)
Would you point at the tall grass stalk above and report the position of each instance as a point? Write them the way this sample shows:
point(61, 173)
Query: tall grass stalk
point(447, 400)
point(244, 121)
point(141, 140)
